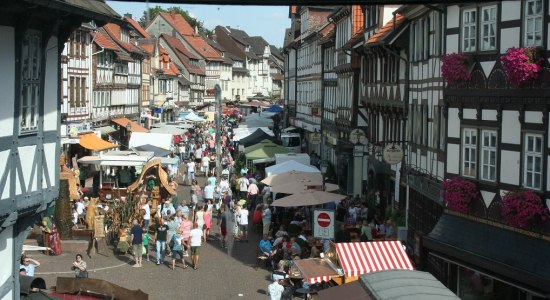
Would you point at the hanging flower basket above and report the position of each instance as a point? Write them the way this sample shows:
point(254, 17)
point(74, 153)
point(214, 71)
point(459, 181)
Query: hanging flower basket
point(521, 65)
point(455, 68)
point(522, 208)
point(458, 193)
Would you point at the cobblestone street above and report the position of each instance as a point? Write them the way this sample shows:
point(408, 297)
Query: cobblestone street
point(223, 273)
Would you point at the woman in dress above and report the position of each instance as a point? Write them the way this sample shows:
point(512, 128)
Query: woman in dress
point(51, 236)
point(207, 216)
point(199, 217)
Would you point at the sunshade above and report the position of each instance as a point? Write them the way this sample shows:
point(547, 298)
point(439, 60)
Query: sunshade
point(90, 141)
point(256, 137)
point(292, 176)
point(275, 108)
point(170, 129)
point(258, 146)
point(158, 152)
point(135, 127)
point(268, 150)
point(193, 117)
point(308, 198)
point(298, 186)
point(290, 165)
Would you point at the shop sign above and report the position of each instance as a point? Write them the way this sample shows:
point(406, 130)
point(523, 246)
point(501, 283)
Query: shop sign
point(393, 154)
point(315, 138)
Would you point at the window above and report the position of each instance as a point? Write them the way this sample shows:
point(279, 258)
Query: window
point(420, 39)
point(371, 16)
point(533, 23)
point(469, 149)
point(479, 30)
point(31, 52)
point(469, 30)
point(488, 28)
point(488, 155)
point(532, 165)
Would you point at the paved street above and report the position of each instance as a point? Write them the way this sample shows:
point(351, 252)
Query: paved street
point(223, 273)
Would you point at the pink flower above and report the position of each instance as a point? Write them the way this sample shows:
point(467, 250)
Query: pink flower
point(458, 192)
point(455, 68)
point(519, 208)
point(520, 66)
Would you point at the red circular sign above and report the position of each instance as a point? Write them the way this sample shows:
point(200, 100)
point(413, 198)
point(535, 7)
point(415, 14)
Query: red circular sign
point(323, 219)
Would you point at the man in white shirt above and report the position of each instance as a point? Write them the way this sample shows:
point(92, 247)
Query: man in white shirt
point(208, 192)
point(275, 290)
point(243, 186)
point(196, 240)
point(190, 171)
point(147, 216)
point(243, 223)
point(204, 165)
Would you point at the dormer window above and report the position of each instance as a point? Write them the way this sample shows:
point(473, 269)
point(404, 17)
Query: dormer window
point(371, 16)
point(247, 48)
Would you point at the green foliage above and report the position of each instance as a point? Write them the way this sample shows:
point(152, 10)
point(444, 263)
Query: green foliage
point(154, 11)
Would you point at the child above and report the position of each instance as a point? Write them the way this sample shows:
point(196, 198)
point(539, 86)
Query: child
point(146, 242)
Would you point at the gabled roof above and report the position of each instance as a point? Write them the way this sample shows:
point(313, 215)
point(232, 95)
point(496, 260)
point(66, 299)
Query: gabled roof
point(183, 54)
point(165, 59)
point(257, 44)
point(149, 48)
point(385, 30)
point(103, 41)
point(237, 34)
point(196, 41)
point(137, 27)
point(275, 52)
point(113, 30)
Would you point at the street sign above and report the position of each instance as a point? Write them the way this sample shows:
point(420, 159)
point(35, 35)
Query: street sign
point(323, 224)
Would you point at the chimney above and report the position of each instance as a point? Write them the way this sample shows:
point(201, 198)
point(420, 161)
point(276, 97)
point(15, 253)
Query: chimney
point(196, 30)
point(129, 16)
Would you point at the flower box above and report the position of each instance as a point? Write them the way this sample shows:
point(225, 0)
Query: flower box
point(523, 208)
point(521, 65)
point(455, 68)
point(458, 193)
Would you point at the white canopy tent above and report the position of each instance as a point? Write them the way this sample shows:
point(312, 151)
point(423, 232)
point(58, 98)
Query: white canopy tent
point(194, 117)
point(290, 165)
point(161, 140)
point(169, 129)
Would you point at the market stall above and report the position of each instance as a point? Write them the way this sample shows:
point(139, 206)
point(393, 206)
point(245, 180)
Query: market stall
point(290, 165)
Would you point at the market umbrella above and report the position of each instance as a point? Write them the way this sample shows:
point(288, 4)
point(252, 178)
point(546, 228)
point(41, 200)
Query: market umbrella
point(268, 150)
point(307, 198)
point(292, 176)
point(303, 185)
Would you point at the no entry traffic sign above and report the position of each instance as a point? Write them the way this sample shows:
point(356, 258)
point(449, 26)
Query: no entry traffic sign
point(323, 219)
point(323, 224)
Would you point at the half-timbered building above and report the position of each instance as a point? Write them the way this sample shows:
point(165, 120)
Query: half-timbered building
point(349, 22)
point(30, 55)
point(497, 138)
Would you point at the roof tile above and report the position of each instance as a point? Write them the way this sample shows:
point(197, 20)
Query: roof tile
point(137, 27)
point(386, 29)
point(188, 33)
point(103, 41)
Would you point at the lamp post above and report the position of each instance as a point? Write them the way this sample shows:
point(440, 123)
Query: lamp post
point(324, 167)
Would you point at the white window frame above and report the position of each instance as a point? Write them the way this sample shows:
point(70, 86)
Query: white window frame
point(469, 167)
point(533, 20)
point(533, 158)
point(485, 28)
point(469, 26)
point(31, 74)
point(488, 155)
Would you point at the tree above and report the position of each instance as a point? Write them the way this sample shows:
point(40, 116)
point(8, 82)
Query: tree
point(154, 11)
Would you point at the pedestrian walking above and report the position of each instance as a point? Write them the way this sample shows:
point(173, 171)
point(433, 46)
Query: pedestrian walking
point(160, 240)
point(222, 222)
point(243, 223)
point(196, 241)
point(137, 243)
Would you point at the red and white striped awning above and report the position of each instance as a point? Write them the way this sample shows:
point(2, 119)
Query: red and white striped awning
point(314, 270)
point(313, 280)
point(362, 258)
